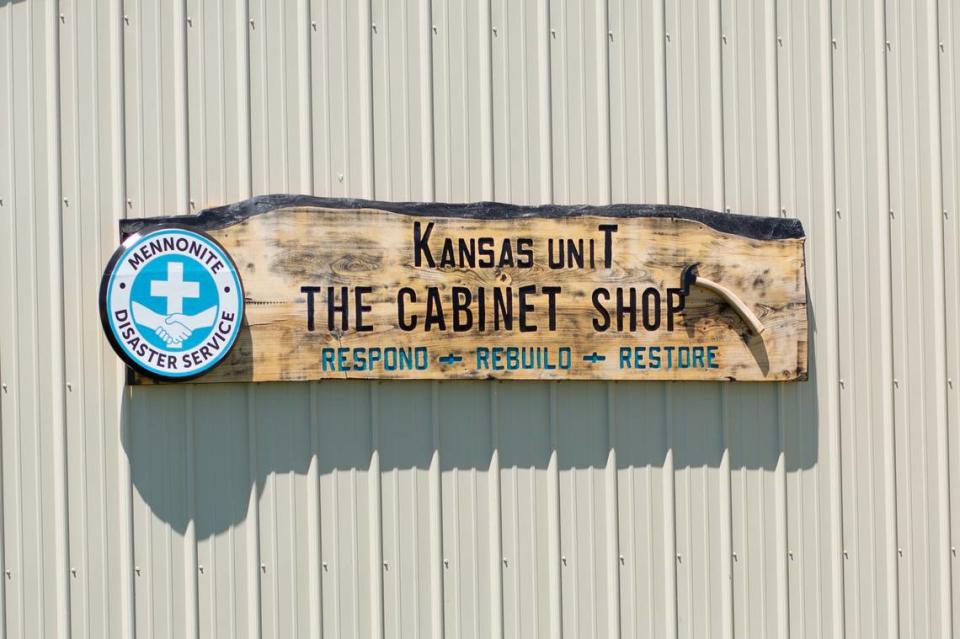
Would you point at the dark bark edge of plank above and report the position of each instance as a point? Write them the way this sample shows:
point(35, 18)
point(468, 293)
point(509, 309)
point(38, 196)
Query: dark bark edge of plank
point(749, 226)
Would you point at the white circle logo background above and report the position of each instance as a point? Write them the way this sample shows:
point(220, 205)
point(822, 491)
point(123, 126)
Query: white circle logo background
point(171, 302)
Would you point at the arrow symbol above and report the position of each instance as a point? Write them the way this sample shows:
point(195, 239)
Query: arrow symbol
point(450, 359)
point(594, 357)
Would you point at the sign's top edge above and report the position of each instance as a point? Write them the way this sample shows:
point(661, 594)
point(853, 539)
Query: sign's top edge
point(749, 226)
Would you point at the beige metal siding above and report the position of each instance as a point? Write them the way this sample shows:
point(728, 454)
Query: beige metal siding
point(819, 509)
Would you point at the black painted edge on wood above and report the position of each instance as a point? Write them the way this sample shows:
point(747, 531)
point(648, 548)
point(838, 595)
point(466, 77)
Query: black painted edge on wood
point(749, 226)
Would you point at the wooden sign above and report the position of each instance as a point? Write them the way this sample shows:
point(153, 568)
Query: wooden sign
point(357, 289)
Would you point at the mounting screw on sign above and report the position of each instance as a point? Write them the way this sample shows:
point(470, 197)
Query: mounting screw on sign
point(171, 302)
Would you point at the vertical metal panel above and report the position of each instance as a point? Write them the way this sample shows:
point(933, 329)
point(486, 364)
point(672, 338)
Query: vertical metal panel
point(949, 30)
point(479, 509)
point(864, 302)
point(919, 349)
point(93, 183)
point(810, 412)
point(36, 554)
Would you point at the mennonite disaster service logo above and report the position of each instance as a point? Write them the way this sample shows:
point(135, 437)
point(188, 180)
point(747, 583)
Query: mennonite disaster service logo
point(171, 302)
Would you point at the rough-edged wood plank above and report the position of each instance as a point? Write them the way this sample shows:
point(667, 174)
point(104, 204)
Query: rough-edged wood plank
point(282, 244)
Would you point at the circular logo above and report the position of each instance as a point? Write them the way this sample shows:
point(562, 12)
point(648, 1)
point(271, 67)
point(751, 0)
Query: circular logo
point(171, 302)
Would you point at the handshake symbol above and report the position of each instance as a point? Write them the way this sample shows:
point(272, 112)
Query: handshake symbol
point(174, 328)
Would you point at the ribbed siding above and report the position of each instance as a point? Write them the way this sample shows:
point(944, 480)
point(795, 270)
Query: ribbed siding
point(477, 509)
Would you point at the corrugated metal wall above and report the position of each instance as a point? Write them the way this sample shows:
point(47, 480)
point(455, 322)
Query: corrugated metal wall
point(816, 509)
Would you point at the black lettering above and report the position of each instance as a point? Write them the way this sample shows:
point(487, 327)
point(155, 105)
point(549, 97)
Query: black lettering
point(362, 308)
point(468, 252)
point(503, 308)
point(674, 307)
point(603, 323)
point(333, 308)
point(485, 252)
point(554, 261)
point(526, 307)
point(506, 254)
point(481, 309)
point(408, 292)
point(310, 291)
point(623, 309)
point(575, 253)
point(434, 310)
point(651, 324)
point(608, 231)
point(421, 249)
point(524, 252)
point(461, 308)
point(135, 261)
point(446, 255)
point(551, 293)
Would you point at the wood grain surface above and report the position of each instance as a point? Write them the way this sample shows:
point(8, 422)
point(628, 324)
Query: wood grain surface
point(279, 252)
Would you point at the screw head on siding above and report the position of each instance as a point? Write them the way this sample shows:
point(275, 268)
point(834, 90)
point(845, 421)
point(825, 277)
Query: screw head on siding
point(780, 40)
point(200, 568)
point(73, 571)
point(495, 32)
point(724, 38)
point(253, 25)
point(622, 561)
point(564, 560)
point(137, 570)
point(506, 563)
point(4, 388)
point(126, 20)
point(189, 21)
point(8, 573)
point(263, 568)
point(313, 25)
point(325, 567)
point(446, 563)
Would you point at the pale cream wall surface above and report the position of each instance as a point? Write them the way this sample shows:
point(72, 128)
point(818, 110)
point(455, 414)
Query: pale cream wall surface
point(350, 509)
